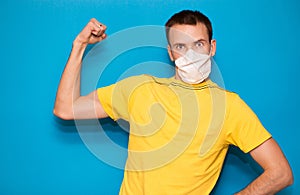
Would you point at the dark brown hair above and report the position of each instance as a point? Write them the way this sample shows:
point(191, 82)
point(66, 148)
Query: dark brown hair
point(192, 18)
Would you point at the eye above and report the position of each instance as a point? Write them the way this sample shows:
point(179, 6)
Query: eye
point(179, 46)
point(199, 44)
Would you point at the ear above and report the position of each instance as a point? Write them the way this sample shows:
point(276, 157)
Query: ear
point(170, 53)
point(213, 47)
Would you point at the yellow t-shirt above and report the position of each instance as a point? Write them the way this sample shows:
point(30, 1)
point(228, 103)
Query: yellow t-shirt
point(179, 133)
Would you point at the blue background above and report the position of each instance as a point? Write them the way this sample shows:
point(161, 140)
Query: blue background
point(257, 53)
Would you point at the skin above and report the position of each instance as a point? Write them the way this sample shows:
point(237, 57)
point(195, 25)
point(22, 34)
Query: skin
point(189, 34)
point(70, 105)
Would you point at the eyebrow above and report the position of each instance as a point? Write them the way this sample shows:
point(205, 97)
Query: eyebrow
point(199, 40)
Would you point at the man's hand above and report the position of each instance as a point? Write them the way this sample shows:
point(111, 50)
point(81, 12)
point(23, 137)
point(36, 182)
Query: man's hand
point(92, 33)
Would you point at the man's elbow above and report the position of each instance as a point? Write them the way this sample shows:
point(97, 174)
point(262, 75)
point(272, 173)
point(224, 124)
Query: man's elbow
point(63, 114)
point(288, 178)
point(285, 177)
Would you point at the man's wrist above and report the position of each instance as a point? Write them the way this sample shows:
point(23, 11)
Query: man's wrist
point(77, 43)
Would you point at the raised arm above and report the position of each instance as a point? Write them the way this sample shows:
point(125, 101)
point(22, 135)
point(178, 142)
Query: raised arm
point(277, 172)
point(69, 104)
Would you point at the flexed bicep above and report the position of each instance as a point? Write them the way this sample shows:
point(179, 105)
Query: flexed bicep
point(88, 107)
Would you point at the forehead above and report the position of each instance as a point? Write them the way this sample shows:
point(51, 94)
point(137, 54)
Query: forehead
point(184, 33)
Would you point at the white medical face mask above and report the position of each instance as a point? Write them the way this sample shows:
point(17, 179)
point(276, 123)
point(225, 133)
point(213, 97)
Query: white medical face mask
point(193, 67)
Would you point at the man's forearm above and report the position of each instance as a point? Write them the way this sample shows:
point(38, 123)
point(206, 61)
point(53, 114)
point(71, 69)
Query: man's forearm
point(267, 183)
point(69, 87)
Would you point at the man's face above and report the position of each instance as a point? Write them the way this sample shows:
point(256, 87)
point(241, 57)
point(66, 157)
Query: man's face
point(183, 37)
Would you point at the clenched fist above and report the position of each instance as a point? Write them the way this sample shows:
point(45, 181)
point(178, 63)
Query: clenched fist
point(92, 33)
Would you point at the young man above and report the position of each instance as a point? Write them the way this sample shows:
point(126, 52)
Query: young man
point(180, 127)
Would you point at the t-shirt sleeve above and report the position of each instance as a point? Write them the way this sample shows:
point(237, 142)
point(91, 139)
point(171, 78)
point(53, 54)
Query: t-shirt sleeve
point(115, 98)
point(107, 95)
point(245, 129)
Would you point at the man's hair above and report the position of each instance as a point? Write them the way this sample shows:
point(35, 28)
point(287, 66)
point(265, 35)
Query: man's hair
point(191, 18)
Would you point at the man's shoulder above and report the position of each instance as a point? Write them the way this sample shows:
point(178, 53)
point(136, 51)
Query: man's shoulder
point(221, 89)
point(141, 79)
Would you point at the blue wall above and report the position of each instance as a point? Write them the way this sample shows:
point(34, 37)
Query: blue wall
point(258, 50)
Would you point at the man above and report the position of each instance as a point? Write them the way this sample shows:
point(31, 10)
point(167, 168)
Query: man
point(180, 127)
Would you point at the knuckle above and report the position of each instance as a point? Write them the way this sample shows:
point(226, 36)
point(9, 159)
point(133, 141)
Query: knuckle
point(90, 23)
